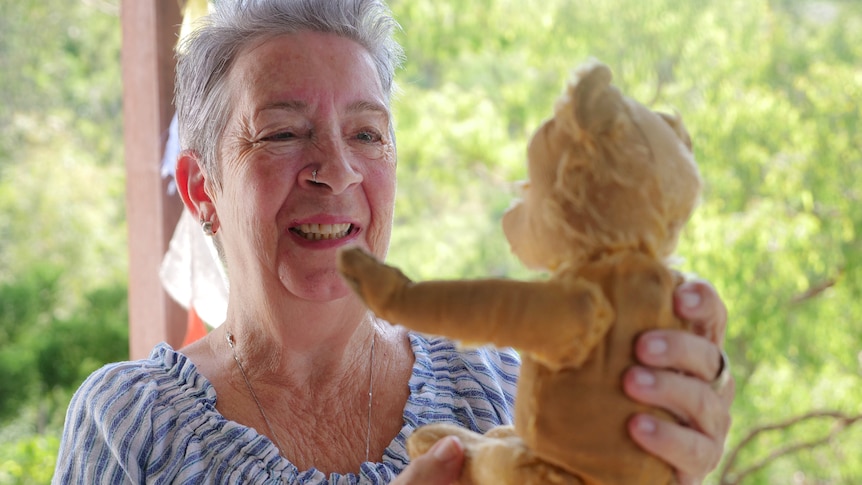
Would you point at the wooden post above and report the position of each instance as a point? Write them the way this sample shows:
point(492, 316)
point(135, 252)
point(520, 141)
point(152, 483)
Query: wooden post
point(150, 29)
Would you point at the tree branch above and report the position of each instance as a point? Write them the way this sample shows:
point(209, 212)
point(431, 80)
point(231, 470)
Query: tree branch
point(729, 476)
point(816, 289)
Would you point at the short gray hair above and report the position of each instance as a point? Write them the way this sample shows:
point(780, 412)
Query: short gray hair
point(205, 57)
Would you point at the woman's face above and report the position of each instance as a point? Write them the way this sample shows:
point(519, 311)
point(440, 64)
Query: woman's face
point(308, 164)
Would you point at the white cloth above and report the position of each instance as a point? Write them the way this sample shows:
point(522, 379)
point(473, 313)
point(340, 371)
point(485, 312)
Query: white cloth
point(192, 273)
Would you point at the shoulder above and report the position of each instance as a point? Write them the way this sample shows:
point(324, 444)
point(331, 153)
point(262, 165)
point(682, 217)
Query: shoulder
point(144, 385)
point(120, 413)
point(475, 386)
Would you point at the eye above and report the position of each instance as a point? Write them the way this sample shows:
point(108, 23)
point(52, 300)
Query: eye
point(368, 136)
point(280, 136)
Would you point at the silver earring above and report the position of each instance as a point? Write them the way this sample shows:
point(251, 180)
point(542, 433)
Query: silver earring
point(314, 175)
point(207, 228)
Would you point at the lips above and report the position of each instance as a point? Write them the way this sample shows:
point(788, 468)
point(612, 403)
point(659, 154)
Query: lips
point(321, 232)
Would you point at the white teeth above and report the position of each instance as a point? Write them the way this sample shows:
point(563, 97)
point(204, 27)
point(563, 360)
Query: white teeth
point(316, 232)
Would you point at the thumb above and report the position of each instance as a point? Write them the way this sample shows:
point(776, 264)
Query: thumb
point(440, 465)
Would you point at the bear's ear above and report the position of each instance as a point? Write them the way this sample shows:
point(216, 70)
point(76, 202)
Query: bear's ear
point(675, 122)
point(597, 104)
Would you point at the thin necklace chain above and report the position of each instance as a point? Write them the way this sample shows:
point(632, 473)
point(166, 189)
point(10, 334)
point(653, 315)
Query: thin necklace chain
point(370, 390)
point(231, 342)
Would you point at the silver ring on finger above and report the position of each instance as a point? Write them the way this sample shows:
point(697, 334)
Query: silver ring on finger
point(723, 376)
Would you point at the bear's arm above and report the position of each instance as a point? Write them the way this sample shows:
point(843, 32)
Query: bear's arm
point(557, 323)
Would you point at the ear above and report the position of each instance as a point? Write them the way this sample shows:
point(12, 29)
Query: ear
point(597, 104)
point(193, 186)
point(676, 123)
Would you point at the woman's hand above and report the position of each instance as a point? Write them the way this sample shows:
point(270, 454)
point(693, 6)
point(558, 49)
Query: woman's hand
point(678, 368)
point(441, 465)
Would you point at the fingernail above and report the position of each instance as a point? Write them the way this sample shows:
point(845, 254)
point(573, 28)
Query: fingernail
point(656, 346)
point(646, 424)
point(445, 449)
point(690, 299)
point(644, 378)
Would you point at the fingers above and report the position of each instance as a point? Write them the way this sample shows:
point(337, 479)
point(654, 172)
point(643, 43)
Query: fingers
point(677, 369)
point(681, 351)
point(690, 400)
point(697, 302)
point(694, 445)
point(692, 454)
point(441, 465)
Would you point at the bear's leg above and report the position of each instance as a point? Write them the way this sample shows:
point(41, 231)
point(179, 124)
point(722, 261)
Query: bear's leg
point(501, 432)
point(498, 458)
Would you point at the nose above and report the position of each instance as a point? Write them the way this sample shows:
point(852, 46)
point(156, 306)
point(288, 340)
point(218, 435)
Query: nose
point(332, 166)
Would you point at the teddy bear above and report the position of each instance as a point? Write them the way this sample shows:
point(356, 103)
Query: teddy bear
point(611, 185)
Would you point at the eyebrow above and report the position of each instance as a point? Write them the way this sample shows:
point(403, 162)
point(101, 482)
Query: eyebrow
point(355, 107)
point(359, 106)
point(286, 105)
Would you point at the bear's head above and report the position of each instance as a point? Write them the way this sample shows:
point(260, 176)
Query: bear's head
point(605, 175)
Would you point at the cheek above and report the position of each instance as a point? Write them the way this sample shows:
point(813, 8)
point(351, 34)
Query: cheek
point(256, 192)
point(379, 186)
point(512, 223)
point(517, 230)
point(521, 232)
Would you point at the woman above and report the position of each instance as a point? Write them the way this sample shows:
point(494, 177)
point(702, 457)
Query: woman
point(289, 155)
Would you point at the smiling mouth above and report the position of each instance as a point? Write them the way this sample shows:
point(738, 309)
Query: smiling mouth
point(320, 232)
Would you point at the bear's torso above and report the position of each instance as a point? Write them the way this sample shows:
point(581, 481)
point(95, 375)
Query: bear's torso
point(576, 418)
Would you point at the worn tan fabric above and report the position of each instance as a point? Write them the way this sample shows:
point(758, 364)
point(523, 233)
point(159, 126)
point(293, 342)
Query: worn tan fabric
point(611, 185)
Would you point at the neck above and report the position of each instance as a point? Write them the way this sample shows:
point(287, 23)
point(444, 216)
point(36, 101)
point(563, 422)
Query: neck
point(304, 354)
point(231, 342)
point(305, 341)
point(291, 380)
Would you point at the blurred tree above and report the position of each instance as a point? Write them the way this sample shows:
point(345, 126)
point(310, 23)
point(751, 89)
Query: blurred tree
point(25, 309)
point(62, 225)
point(95, 334)
point(44, 361)
point(29, 461)
point(66, 77)
point(769, 89)
point(61, 171)
point(44, 357)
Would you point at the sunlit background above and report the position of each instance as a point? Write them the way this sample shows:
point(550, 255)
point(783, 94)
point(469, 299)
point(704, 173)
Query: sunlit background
point(770, 90)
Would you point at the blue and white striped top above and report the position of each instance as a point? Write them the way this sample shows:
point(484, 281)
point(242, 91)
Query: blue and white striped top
point(154, 421)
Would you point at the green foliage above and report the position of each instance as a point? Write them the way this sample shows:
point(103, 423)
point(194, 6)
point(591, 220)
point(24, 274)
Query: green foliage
point(29, 461)
point(44, 352)
point(769, 89)
point(66, 78)
point(17, 385)
point(46, 361)
point(25, 309)
point(61, 171)
point(68, 213)
point(27, 300)
point(96, 334)
point(62, 222)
